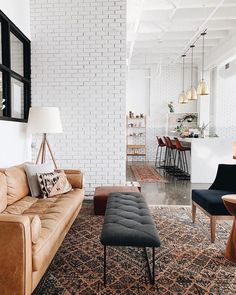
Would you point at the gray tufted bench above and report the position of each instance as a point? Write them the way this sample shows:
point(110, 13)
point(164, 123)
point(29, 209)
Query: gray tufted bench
point(128, 222)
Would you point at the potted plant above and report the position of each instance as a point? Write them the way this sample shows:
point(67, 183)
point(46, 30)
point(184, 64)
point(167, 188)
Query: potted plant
point(202, 129)
point(190, 117)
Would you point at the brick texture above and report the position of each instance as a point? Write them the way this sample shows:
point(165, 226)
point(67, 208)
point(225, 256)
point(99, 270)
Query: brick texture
point(78, 64)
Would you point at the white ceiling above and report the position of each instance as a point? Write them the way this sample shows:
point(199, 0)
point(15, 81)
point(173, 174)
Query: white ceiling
point(164, 29)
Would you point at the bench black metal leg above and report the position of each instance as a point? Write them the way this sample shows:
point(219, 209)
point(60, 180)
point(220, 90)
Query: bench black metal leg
point(104, 267)
point(153, 265)
point(151, 273)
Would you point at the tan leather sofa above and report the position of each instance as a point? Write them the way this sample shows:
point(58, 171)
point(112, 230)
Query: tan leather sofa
point(28, 243)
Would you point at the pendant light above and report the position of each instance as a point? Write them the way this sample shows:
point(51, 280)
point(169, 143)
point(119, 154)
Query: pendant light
point(202, 88)
point(192, 93)
point(183, 98)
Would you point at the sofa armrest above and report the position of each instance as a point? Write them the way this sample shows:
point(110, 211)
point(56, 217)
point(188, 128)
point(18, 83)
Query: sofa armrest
point(15, 254)
point(75, 178)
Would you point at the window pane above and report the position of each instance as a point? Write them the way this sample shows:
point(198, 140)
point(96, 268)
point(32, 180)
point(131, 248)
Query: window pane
point(2, 103)
point(17, 99)
point(17, 57)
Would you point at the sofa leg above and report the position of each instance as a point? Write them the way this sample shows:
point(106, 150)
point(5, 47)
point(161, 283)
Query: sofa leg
point(213, 228)
point(194, 209)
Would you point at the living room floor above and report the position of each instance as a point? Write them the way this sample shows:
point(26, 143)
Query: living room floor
point(174, 192)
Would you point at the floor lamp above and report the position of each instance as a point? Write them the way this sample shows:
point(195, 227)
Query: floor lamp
point(44, 120)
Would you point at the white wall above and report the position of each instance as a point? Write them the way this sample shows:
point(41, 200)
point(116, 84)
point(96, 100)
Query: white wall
point(15, 143)
point(138, 91)
point(18, 12)
point(225, 101)
point(209, 153)
point(162, 90)
point(78, 64)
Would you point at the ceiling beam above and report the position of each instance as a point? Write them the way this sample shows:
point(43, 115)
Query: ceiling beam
point(223, 53)
point(203, 26)
point(138, 17)
point(170, 43)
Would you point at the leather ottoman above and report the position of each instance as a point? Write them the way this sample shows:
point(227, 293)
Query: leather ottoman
point(102, 192)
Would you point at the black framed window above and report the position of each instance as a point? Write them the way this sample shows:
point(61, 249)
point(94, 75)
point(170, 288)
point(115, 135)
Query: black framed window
point(15, 69)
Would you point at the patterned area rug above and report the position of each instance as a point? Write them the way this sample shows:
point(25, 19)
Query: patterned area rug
point(147, 174)
point(186, 262)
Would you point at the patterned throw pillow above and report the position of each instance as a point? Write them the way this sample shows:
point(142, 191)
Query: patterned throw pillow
point(53, 184)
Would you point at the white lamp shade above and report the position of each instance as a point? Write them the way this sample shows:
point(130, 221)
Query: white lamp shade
point(192, 94)
point(188, 94)
point(44, 120)
point(185, 97)
point(202, 88)
point(182, 98)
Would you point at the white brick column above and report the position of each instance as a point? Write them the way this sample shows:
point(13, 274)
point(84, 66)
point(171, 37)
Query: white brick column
point(78, 64)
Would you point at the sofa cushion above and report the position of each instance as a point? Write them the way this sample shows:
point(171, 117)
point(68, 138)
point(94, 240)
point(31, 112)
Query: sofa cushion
point(3, 192)
point(211, 200)
point(21, 206)
point(55, 214)
point(31, 172)
point(17, 183)
point(35, 227)
point(225, 178)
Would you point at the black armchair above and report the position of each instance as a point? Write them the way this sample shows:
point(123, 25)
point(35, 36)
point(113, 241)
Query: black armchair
point(210, 201)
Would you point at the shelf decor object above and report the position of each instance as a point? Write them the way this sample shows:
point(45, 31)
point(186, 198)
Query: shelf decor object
point(192, 93)
point(180, 122)
point(171, 107)
point(44, 120)
point(183, 98)
point(202, 88)
point(136, 135)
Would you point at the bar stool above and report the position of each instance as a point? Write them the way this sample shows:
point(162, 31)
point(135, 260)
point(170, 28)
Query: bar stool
point(167, 152)
point(169, 155)
point(182, 162)
point(160, 145)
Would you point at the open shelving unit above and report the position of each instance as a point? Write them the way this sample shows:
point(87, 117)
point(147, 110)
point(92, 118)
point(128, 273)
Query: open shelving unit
point(175, 119)
point(136, 136)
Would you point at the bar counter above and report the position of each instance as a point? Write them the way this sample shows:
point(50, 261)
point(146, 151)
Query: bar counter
point(206, 154)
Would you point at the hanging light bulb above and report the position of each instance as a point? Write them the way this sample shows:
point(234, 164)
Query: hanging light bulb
point(183, 98)
point(202, 88)
point(192, 93)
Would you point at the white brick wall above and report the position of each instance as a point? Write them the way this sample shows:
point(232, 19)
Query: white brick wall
point(78, 64)
point(224, 98)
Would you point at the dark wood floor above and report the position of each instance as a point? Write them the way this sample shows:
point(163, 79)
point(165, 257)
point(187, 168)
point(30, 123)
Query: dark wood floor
point(175, 192)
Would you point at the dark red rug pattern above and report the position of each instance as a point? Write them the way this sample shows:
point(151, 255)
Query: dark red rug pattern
point(186, 263)
point(147, 174)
